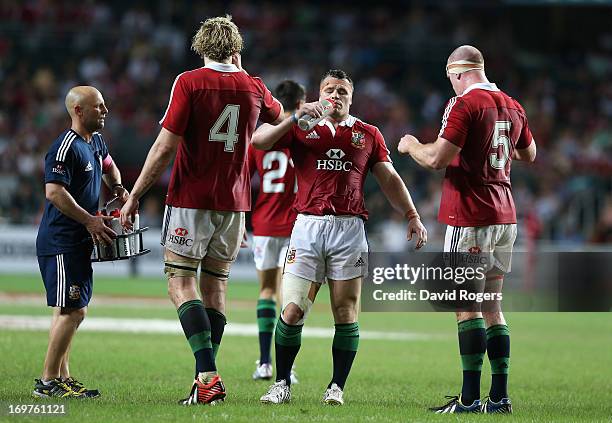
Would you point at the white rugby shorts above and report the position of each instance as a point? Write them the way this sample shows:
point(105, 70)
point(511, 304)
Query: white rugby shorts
point(269, 251)
point(495, 242)
point(332, 247)
point(199, 233)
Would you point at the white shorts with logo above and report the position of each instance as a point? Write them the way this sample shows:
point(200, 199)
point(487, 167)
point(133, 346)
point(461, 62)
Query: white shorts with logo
point(199, 233)
point(496, 241)
point(269, 251)
point(333, 247)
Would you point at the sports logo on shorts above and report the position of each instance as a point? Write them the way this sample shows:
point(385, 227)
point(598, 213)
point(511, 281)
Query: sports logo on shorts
point(179, 237)
point(475, 250)
point(291, 256)
point(74, 292)
point(358, 139)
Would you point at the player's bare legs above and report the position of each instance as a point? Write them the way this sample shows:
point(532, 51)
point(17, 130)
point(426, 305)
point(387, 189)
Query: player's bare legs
point(292, 313)
point(344, 296)
point(298, 296)
point(64, 366)
point(60, 337)
point(213, 286)
point(182, 289)
point(269, 283)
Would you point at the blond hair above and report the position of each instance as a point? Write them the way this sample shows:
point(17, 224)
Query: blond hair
point(218, 39)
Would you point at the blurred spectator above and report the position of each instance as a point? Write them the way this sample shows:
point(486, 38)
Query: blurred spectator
point(133, 51)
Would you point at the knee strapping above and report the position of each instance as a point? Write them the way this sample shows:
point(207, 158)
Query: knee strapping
point(217, 272)
point(295, 290)
point(181, 268)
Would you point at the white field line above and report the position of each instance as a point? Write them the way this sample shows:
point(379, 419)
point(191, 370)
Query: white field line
point(109, 324)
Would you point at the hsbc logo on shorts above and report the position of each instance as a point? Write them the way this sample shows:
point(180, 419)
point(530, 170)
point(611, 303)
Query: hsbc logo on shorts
point(334, 162)
point(181, 231)
point(179, 237)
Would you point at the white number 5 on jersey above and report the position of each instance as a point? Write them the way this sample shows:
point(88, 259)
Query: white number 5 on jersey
point(500, 138)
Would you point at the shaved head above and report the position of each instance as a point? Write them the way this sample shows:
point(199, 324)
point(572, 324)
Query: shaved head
point(465, 67)
point(80, 96)
point(468, 53)
point(86, 108)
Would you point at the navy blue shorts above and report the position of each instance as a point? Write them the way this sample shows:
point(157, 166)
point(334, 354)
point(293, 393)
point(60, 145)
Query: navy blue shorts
point(67, 278)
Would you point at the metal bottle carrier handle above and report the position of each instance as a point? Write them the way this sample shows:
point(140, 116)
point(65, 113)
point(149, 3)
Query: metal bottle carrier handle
point(100, 250)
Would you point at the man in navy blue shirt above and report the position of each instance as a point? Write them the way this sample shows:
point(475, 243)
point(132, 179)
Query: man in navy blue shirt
point(74, 166)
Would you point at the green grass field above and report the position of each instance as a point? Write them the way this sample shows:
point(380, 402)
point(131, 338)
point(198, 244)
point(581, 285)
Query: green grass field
point(561, 366)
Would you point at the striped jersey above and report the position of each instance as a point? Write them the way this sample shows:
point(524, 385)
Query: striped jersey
point(488, 126)
point(77, 165)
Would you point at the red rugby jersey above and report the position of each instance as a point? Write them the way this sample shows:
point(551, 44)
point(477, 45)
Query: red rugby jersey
point(273, 214)
point(488, 125)
point(215, 109)
point(332, 164)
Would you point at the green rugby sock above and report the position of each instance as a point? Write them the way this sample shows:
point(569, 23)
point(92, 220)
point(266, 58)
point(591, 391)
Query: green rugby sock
point(266, 319)
point(196, 327)
point(344, 350)
point(498, 349)
point(472, 347)
point(217, 325)
point(287, 341)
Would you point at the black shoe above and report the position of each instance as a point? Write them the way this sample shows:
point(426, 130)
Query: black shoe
point(504, 406)
point(78, 387)
point(456, 406)
point(54, 389)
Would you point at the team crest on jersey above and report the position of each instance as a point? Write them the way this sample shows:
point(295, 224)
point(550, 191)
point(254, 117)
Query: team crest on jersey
point(358, 139)
point(475, 250)
point(291, 256)
point(74, 292)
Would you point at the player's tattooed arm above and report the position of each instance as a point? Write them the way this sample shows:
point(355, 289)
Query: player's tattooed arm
point(160, 155)
point(436, 155)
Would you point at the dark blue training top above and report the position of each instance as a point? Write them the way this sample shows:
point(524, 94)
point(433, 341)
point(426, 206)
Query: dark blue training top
point(76, 164)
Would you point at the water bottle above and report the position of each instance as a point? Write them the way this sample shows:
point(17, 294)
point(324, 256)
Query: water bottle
point(122, 243)
point(307, 122)
point(136, 238)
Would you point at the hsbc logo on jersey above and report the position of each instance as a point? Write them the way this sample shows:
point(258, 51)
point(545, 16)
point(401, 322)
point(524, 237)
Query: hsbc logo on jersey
point(334, 162)
point(179, 237)
point(335, 153)
point(59, 169)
